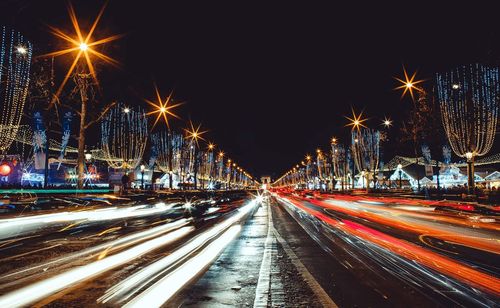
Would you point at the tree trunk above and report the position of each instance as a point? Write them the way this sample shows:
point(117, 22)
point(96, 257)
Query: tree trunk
point(82, 84)
point(170, 157)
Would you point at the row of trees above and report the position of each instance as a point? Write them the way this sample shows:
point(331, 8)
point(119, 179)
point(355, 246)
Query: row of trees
point(459, 108)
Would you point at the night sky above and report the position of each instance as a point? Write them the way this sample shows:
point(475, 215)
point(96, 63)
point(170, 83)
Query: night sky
point(272, 80)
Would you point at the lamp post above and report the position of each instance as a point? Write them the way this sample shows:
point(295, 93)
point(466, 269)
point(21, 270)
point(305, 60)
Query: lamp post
point(400, 167)
point(142, 176)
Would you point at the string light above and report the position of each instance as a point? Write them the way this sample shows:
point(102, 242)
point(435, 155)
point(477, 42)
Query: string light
point(365, 148)
point(469, 101)
point(124, 137)
point(15, 63)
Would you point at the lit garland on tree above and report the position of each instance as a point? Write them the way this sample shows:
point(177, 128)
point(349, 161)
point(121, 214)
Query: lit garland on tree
point(123, 137)
point(15, 62)
point(162, 149)
point(469, 100)
point(366, 149)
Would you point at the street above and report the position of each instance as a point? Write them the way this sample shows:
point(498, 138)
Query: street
point(274, 250)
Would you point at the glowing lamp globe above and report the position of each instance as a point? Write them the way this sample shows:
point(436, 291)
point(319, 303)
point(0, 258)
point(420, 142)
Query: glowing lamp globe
point(83, 46)
point(5, 169)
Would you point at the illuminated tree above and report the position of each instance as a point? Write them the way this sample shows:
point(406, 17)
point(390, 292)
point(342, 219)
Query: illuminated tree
point(15, 62)
point(365, 149)
point(469, 100)
point(124, 133)
point(85, 50)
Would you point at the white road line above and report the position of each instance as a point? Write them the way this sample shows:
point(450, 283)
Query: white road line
point(264, 283)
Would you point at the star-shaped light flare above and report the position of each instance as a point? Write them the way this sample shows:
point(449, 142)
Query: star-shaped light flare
point(387, 122)
point(356, 122)
point(408, 84)
point(194, 134)
point(163, 108)
point(82, 45)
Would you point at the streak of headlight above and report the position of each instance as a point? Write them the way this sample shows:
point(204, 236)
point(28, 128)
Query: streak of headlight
point(165, 288)
point(146, 275)
point(42, 289)
point(21, 225)
point(116, 244)
point(435, 261)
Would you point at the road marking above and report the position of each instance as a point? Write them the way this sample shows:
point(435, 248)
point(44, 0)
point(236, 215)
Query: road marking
point(264, 283)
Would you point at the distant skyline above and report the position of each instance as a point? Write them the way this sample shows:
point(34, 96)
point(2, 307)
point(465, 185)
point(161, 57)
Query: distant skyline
point(272, 81)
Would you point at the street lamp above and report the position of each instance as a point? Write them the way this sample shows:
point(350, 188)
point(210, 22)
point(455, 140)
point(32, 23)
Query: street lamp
point(84, 49)
point(400, 170)
point(142, 176)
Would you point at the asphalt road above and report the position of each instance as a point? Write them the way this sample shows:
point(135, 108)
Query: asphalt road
point(281, 250)
point(72, 256)
point(392, 253)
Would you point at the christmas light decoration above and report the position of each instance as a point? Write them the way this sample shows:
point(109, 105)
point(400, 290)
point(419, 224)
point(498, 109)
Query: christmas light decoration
point(161, 142)
point(365, 147)
point(15, 63)
point(469, 100)
point(123, 137)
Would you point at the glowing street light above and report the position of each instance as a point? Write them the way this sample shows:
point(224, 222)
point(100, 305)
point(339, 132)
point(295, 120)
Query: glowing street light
point(387, 122)
point(408, 84)
point(194, 134)
point(356, 120)
point(84, 46)
point(163, 108)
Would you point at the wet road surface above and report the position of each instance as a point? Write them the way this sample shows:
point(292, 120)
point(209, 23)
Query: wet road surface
point(277, 250)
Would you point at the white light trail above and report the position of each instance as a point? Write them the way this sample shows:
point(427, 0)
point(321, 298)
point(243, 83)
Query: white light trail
point(109, 246)
point(42, 289)
point(22, 225)
point(137, 281)
point(164, 289)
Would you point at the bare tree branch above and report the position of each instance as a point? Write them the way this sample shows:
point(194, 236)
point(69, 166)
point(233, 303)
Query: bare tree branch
point(103, 113)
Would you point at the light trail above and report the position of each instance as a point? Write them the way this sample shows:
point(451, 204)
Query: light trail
point(109, 247)
point(42, 289)
point(409, 251)
point(23, 225)
point(126, 288)
point(164, 289)
point(413, 222)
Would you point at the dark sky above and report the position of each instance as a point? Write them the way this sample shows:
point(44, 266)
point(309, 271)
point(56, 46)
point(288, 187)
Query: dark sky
point(272, 80)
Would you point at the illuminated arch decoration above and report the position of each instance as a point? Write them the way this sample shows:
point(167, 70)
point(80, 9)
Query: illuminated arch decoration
point(15, 62)
point(123, 137)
